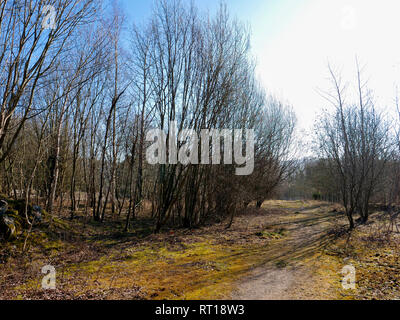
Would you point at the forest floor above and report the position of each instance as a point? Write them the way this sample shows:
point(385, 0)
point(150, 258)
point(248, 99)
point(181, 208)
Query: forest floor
point(285, 250)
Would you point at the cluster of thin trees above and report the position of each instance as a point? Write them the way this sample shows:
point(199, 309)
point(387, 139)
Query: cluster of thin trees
point(358, 151)
point(77, 99)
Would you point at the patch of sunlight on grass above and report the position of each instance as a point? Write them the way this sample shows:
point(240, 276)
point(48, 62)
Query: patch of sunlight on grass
point(327, 278)
point(298, 204)
point(202, 270)
point(278, 234)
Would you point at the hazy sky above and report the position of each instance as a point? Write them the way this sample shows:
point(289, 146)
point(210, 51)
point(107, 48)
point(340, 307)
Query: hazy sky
point(293, 41)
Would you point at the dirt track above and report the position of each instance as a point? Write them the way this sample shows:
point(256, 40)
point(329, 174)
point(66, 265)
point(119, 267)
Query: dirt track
point(285, 275)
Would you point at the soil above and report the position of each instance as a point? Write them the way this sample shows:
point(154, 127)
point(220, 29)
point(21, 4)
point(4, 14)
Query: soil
point(286, 250)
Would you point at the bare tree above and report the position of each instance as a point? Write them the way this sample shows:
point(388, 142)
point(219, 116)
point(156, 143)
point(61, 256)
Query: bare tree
point(29, 52)
point(356, 138)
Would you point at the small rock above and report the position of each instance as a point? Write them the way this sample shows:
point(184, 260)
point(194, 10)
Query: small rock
point(7, 227)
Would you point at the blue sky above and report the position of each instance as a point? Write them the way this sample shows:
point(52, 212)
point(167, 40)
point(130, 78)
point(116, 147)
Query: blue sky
point(293, 41)
point(267, 16)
